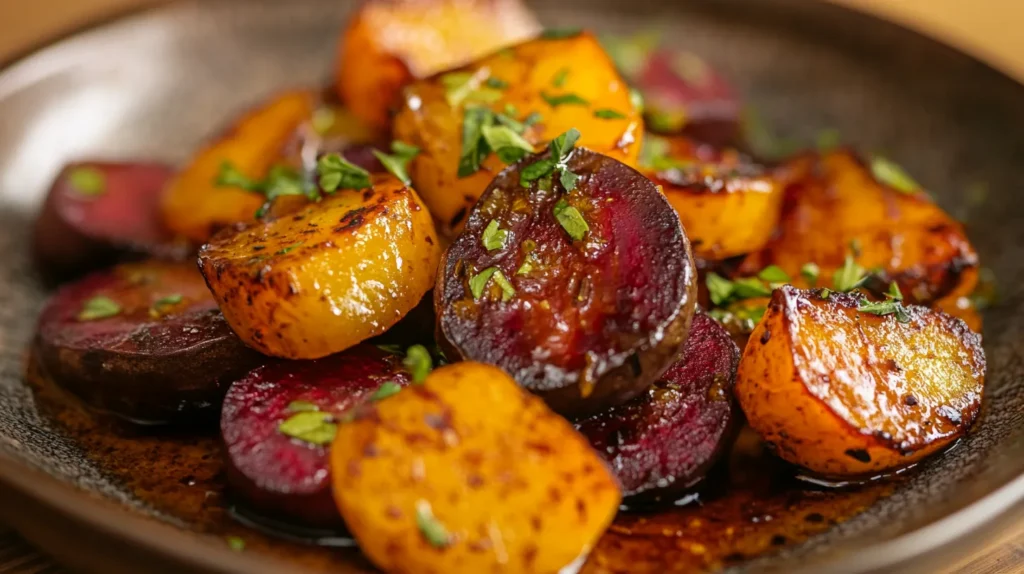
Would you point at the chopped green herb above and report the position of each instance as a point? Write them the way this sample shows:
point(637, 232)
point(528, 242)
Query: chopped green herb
point(636, 99)
point(302, 407)
point(314, 427)
point(828, 140)
point(532, 118)
point(810, 272)
point(560, 33)
point(888, 307)
point(169, 301)
point(474, 146)
point(386, 390)
point(418, 361)
point(607, 114)
point(478, 282)
point(87, 181)
point(338, 173)
point(231, 176)
point(749, 288)
point(99, 308)
point(774, 274)
point(562, 145)
point(849, 276)
point(894, 292)
point(826, 293)
point(719, 288)
point(432, 530)
point(559, 80)
point(323, 119)
point(235, 543)
point(290, 248)
point(665, 121)
point(280, 180)
point(398, 162)
point(571, 220)
point(537, 170)
point(891, 174)
point(525, 268)
point(564, 100)
point(496, 83)
point(507, 290)
point(493, 236)
point(506, 143)
point(561, 149)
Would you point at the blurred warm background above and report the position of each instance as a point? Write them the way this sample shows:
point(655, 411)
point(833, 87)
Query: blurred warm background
point(989, 29)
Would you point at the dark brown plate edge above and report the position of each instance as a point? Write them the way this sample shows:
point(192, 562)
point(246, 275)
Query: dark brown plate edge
point(69, 522)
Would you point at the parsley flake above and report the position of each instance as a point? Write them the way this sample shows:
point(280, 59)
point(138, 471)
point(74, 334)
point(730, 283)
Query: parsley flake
point(774, 274)
point(235, 543)
point(161, 304)
point(99, 308)
point(87, 181)
point(418, 361)
point(719, 288)
point(302, 406)
point(479, 282)
point(398, 162)
point(493, 236)
point(894, 292)
point(608, 114)
point(509, 146)
point(810, 273)
point(849, 276)
point(463, 87)
point(430, 527)
point(386, 390)
point(496, 83)
point(337, 173)
point(563, 100)
point(507, 290)
point(561, 150)
point(884, 308)
point(313, 427)
point(891, 174)
point(571, 220)
point(636, 99)
point(474, 146)
point(749, 288)
point(558, 80)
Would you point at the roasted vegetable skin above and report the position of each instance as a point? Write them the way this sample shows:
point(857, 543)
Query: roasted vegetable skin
point(276, 474)
point(468, 473)
point(846, 393)
point(586, 323)
point(536, 76)
point(157, 352)
point(663, 442)
point(321, 279)
point(388, 44)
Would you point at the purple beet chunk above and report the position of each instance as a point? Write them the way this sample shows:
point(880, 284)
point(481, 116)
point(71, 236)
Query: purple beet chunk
point(162, 354)
point(97, 213)
point(283, 477)
point(662, 443)
point(589, 323)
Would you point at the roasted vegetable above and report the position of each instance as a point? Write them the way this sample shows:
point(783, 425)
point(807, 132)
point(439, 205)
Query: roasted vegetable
point(468, 473)
point(838, 207)
point(728, 205)
point(99, 212)
point(663, 442)
point(278, 422)
point(143, 341)
point(843, 387)
point(584, 296)
point(389, 43)
point(515, 100)
point(327, 276)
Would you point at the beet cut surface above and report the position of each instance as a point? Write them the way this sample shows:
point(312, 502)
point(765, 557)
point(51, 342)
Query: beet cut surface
point(593, 322)
point(150, 363)
point(662, 443)
point(279, 476)
point(81, 228)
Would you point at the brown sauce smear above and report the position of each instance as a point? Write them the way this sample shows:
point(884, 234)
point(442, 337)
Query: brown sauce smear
point(759, 507)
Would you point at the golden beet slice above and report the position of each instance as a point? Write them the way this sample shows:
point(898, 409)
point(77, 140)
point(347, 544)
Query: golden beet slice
point(389, 43)
point(844, 392)
point(325, 277)
point(585, 297)
point(468, 473)
point(541, 88)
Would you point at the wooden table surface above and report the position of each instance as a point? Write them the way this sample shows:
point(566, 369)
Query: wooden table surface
point(988, 29)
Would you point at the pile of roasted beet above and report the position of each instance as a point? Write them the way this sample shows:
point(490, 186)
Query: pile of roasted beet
point(465, 309)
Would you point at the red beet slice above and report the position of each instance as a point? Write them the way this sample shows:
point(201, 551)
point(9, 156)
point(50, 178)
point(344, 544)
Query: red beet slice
point(156, 351)
point(592, 322)
point(663, 442)
point(98, 212)
point(279, 476)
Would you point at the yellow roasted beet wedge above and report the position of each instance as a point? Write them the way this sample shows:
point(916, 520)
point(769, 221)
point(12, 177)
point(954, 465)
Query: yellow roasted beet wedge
point(469, 473)
point(195, 206)
point(541, 88)
point(847, 393)
point(323, 278)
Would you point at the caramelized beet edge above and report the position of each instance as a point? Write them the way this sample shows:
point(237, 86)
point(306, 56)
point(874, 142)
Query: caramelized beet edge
point(664, 441)
point(149, 363)
point(593, 322)
point(280, 476)
point(81, 228)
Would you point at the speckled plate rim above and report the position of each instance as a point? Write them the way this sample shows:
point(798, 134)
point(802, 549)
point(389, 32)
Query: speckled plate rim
point(28, 494)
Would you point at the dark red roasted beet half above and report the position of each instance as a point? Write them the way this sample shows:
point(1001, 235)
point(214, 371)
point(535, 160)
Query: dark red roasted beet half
point(275, 473)
point(98, 212)
point(586, 323)
point(144, 341)
point(663, 442)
